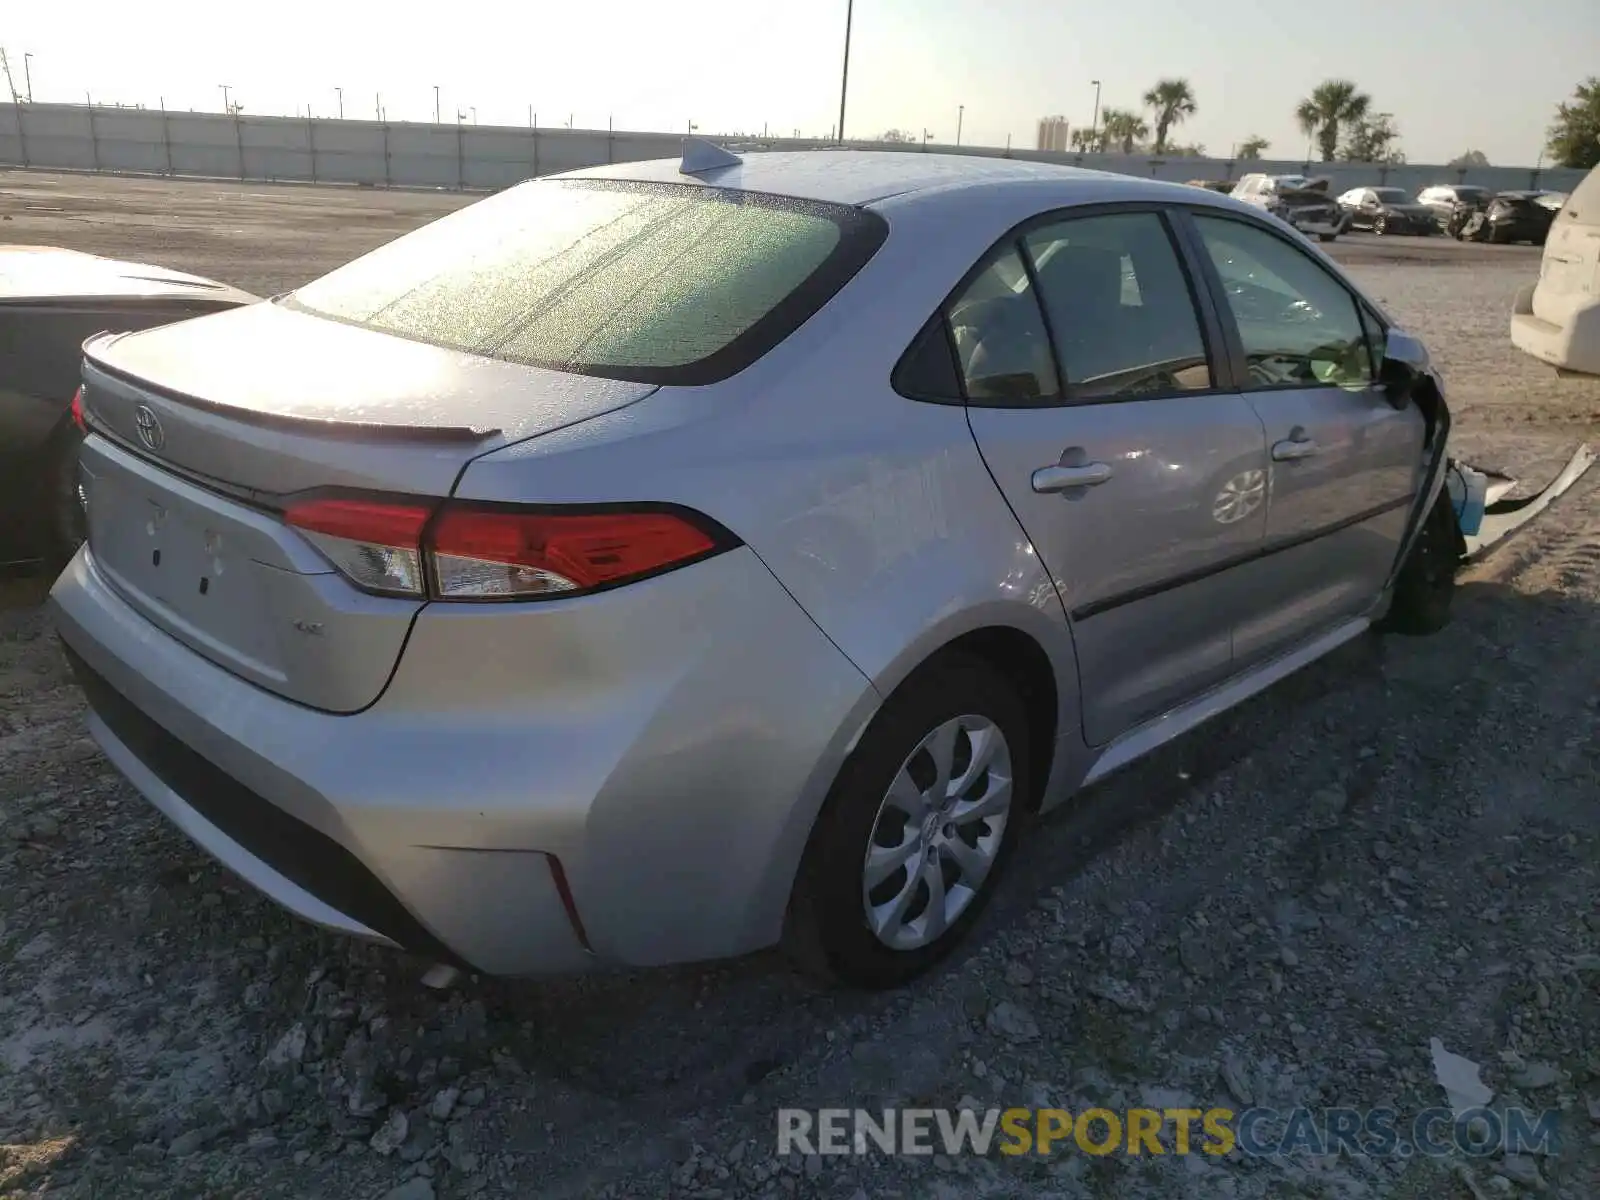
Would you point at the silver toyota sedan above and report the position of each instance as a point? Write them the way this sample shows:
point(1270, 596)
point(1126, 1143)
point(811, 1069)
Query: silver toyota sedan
point(668, 560)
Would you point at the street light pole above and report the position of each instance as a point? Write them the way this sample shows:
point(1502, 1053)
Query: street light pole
point(340, 90)
point(225, 105)
point(27, 74)
point(1094, 122)
point(436, 120)
point(844, 79)
point(961, 113)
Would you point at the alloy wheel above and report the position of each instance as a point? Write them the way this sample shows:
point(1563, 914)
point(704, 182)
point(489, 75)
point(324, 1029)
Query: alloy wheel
point(938, 832)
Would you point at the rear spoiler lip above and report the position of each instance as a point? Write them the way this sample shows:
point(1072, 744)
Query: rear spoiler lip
point(375, 430)
point(136, 301)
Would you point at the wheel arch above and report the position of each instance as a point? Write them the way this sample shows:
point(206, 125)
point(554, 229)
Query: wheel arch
point(1015, 654)
point(1018, 657)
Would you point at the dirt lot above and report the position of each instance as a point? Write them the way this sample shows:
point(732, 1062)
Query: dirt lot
point(1402, 843)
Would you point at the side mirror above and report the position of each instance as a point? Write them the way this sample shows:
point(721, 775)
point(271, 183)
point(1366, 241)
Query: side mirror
point(1405, 362)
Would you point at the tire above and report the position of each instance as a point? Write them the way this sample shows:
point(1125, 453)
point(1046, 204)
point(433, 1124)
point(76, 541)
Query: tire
point(1327, 237)
point(1380, 226)
point(1427, 581)
point(62, 521)
point(827, 930)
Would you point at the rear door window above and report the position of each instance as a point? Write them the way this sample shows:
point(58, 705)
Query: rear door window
point(659, 283)
point(1121, 314)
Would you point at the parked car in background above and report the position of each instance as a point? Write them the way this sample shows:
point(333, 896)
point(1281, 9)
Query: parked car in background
point(1224, 186)
point(629, 604)
point(1463, 212)
point(1507, 217)
point(1557, 319)
point(1443, 199)
point(1384, 210)
point(1302, 203)
point(51, 299)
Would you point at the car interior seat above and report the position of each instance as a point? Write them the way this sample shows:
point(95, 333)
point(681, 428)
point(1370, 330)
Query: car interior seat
point(1098, 333)
point(1003, 350)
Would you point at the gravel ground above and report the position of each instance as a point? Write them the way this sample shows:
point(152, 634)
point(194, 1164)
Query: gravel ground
point(1401, 843)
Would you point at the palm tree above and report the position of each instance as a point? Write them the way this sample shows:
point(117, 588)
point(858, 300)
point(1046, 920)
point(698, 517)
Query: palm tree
point(1253, 146)
point(1123, 128)
point(1332, 103)
point(1173, 102)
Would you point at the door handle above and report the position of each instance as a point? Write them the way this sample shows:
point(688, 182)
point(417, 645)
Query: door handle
point(1059, 478)
point(1294, 448)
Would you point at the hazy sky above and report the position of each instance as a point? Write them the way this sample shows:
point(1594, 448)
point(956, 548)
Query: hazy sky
point(1456, 74)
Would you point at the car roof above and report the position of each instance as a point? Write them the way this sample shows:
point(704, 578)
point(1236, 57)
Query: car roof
point(55, 273)
point(862, 177)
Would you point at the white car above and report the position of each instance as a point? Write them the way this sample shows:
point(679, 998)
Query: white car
point(1293, 200)
point(1557, 319)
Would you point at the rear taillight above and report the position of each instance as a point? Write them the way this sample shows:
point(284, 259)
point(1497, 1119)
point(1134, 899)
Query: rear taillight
point(76, 409)
point(376, 545)
point(494, 552)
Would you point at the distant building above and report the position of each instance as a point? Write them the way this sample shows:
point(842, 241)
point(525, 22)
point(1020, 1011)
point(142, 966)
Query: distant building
point(1052, 134)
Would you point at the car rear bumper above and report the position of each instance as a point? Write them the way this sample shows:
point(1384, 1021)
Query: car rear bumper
point(1571, 346)
point(1319, 225)
point(1521, 231)
point(616, 779)
point(1415, 225)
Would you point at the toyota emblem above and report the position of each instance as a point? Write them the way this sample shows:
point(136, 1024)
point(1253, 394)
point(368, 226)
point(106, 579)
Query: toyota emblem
point(150, 431)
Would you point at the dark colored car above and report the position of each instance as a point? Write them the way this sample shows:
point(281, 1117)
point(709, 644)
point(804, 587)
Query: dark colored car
point(1387, 210)
point(51, 300)
point(1520, 217)
point(1507, 217)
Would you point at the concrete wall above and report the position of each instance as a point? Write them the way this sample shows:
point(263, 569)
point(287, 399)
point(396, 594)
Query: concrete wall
point(77, 137)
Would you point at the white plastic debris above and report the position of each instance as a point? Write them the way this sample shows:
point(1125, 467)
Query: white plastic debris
point(1459, 1078)
point(1503, 517)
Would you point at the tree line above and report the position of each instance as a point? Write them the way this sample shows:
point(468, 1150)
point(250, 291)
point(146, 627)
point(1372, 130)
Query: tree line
point(1338, 117)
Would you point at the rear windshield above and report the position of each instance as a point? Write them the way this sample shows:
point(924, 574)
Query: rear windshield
point(1471, 193)
point(660, 282)
point(1585, 198)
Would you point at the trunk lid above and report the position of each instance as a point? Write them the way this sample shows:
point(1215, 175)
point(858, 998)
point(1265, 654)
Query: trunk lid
point(273, 400)
point(201, 430)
